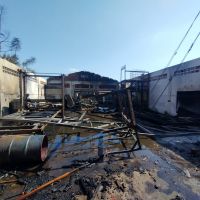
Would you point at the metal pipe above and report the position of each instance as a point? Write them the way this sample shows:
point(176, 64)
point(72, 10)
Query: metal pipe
point(63, 97)
point(21, 90)
point(23, 148)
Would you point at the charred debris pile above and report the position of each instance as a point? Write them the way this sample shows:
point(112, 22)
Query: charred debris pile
point(56, 151)
point(105, 125)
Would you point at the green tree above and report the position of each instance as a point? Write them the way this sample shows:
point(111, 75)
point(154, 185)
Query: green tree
point(11, 58)
point(11, 46)
point(28, 62)
point(15, 44)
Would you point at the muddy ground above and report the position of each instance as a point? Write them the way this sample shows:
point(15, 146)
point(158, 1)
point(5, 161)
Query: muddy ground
point(165, 168)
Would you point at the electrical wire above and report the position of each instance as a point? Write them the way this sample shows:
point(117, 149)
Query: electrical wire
point(171, 78)
point(190, 48)
point(178, 47)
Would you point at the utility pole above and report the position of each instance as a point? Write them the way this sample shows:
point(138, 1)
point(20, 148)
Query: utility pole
point(122, 68)
point(63, 96)
point(21, 89)
point(125, 72)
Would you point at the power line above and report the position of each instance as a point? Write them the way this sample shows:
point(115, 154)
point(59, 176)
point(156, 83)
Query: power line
point(171, 78)
point(190, 48)
point(178, 47)
point(176, 51)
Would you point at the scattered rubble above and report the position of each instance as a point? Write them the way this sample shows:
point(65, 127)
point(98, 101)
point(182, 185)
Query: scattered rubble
point(99, 152)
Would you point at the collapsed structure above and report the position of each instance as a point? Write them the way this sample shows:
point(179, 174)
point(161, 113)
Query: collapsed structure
point(19, 86)
point(173, 90)
point(99, 140)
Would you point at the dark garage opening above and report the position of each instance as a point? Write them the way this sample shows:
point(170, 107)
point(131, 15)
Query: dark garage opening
point(188, 103)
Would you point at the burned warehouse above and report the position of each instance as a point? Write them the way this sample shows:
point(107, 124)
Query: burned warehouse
point(173, 90)
point(79, 84)
point(111, 138)
point(88, 108)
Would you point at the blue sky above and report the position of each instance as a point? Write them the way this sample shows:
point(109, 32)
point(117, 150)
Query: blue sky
point(102, 35)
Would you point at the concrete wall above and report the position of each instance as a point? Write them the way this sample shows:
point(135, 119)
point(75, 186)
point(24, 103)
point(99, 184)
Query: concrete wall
point(185, 77)
point(35, 87)
point(9, 85)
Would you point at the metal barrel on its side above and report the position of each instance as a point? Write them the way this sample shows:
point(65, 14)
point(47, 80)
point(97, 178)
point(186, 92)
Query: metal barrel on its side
point(23, 148)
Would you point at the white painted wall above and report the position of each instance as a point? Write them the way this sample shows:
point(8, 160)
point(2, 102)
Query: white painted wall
point(10, 88)
point(186, 80)
point(35, 87)
point(9, 85)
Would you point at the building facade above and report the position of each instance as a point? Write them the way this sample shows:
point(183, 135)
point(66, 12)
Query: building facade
point(11, 86)
point(79, 83)
point(176, 89)
point(35, 87)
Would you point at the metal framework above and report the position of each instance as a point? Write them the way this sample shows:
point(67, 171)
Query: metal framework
point(125, 107)
point(24, 74)
point(133, 73)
